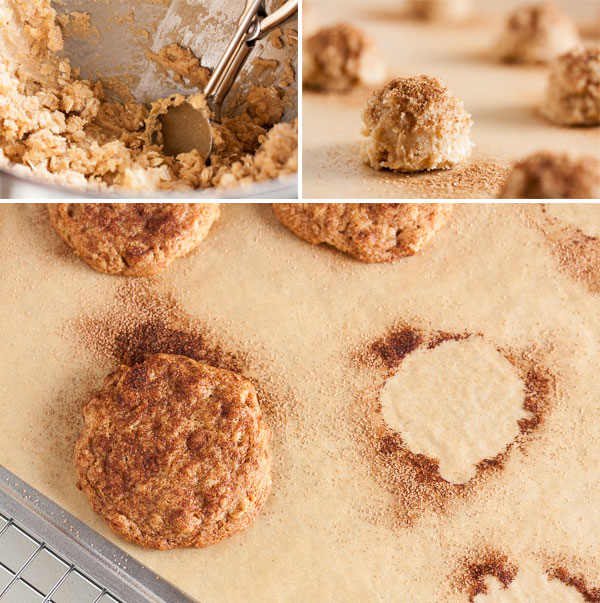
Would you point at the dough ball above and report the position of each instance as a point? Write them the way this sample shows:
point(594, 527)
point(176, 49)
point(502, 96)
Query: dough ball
point(548, 175)
point(370, 232)
point(573, 94)
point(415, 124)
point(341, 57)
point(537, 34)
point(440, 10)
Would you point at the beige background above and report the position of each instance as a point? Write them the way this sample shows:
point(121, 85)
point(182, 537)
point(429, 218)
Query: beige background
point(297, 315)
point(502, 100)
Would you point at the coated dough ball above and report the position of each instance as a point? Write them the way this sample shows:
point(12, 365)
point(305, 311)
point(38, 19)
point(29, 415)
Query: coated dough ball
point(573, 95)
point(548, 175)
point(440, 10)
point(415, 124)
point(341, 57)
point(537, 34)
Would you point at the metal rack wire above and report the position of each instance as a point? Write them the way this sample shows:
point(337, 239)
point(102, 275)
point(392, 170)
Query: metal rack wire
point(49, 556)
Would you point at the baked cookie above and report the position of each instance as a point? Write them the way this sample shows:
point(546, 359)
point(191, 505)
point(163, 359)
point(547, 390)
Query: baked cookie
point(132, 239)
point(174, 453)
point(573, 94)
point(537, 34)
point(371, 232)
point(341, 57)
point(548, 175)
point(415, 124)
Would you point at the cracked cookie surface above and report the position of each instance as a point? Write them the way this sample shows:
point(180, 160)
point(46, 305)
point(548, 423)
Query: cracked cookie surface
point(174, 453)
point(139, 239)
point(371, 232)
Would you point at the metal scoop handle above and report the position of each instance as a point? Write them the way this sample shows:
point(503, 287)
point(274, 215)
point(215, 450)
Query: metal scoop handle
point(251, 27)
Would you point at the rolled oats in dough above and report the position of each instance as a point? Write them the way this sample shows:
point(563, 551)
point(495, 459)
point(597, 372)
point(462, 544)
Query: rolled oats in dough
point(66, 130)
point(415, 124)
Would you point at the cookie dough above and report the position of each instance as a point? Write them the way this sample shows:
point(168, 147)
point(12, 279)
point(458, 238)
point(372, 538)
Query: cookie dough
point(537, 34)
point(440, 10)
point(63, 129)
point(138, 239)
point(341, 57)
point(371, 232)
point(573, 93)
point(415, 124)
point(549, 175)
point(174, 453)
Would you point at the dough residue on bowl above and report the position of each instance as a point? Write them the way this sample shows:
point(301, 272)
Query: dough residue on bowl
point(59, 128)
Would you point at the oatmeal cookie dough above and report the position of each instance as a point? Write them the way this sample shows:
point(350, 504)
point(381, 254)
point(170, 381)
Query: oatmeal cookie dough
point(537, 34)
point(63, 129)
point(548, 175)
point(132, 239)
point(371, 232)
point(174, 453)
point(415, 124)
point(341, 57)
point(439, 10)
point(573, 93)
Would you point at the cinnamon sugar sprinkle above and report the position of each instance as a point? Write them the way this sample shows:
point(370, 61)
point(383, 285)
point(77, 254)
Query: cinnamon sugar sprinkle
point(477, 565)
point(590, 594)
point(577, 253)
point(142, 321)
point(413, 479)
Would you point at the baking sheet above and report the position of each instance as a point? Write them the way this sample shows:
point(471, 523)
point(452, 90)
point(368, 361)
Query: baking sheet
point(298, 319)
point(502, 100)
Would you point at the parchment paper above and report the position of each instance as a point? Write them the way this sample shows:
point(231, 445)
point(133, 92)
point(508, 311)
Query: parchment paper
point(503, 101)
point(344, 521)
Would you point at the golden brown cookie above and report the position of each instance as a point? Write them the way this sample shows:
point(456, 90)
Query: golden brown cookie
point(371, 232)
point(174, 453)
point(132, 239)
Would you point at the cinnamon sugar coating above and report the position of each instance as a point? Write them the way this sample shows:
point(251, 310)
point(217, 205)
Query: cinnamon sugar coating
point(371, 232)
point(573, 94)
point(537, 34)
point(130, 239)
point(548, 175)
point(415, 124)
point(341, 57)
point(174, 453)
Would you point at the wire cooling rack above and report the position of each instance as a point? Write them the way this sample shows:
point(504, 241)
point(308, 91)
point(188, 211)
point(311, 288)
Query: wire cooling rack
point(49, 556)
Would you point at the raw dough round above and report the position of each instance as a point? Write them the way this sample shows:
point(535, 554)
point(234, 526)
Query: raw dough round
point(537, 34)
point(573, 94)
point(132, 239)
point(440, 10)
point(341, 57)
point(415, 124)
point(547, 175)
point(174, 453)
point(371, 232)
